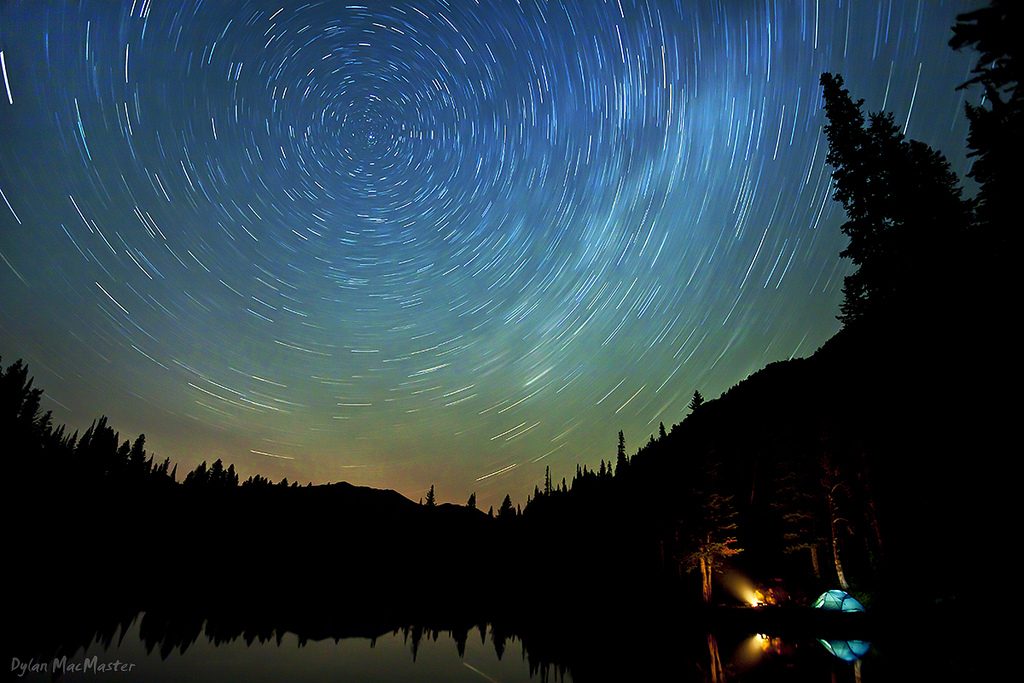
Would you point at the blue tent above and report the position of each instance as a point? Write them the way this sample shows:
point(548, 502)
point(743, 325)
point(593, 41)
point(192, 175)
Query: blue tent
point(838, 601)
point(847, 650)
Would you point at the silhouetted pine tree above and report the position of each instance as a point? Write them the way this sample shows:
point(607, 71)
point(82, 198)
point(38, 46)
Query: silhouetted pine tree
point(506, 511)
point(621, 463)
point(798, 502)
point(904, 209)
point(199, 477)
point(137, 457)
point(20, 407)
point(996, 137)
point(712, 531)
point(696, 402)
point(216, 474)
point(23, 428)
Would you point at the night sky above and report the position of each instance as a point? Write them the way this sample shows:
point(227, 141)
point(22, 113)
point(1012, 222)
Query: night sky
point(451, 242)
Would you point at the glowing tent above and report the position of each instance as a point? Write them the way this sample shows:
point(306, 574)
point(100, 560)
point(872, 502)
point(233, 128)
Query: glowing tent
point(847, 650)
point(838, 601)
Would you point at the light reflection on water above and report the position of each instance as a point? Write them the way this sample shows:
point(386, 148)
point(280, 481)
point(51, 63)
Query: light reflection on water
point(760, 656)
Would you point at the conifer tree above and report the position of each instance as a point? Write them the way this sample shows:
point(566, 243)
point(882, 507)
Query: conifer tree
point(712, 531)
point(137, 455)
point(696, 402)
point(798, 503)
point(904, 210)
point(621, 463)
point(506, 511)
point(996, 137)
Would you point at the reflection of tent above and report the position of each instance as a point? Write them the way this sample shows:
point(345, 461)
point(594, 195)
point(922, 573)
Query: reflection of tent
point(847, 650)
point(838, 601)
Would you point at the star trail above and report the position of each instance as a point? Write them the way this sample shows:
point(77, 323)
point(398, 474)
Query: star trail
point(451, 241)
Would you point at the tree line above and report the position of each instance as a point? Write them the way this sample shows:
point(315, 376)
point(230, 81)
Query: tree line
point(98, 455)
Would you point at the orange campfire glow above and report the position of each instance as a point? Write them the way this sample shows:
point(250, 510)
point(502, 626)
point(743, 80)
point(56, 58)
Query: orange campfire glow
point(745, 590)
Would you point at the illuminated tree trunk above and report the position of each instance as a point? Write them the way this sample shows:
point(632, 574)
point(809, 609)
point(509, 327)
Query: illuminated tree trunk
point(833, 484)
point(815, 562)
point(705, 577)
point(834, 526)
point(711, 542)
point(716, 672)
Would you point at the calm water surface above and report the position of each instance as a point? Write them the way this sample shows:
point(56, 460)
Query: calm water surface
point(423, 655)
point(386, 658)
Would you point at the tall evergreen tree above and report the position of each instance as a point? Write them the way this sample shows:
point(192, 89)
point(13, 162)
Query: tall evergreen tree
point(621, 463)
point(836, 492)
point(431, 499)
point(696, 402)
point(216, 476)
point(712, 531)
point(903, 205)
point(20, 408)
point(996, 137)
point(506, 511)
point(714, 540)
point(798, 503)
point(471, 503)
point(199, 477)
point(137, 455)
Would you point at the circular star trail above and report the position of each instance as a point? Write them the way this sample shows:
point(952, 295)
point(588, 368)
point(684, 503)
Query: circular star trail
point(450, 242)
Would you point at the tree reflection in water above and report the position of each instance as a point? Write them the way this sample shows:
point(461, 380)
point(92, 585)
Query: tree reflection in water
point(554, 648)
point(716, 674)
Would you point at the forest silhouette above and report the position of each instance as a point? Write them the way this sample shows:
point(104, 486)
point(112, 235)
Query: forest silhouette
point(876, 465)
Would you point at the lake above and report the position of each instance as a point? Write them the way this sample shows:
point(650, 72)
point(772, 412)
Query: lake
point(154, 648)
